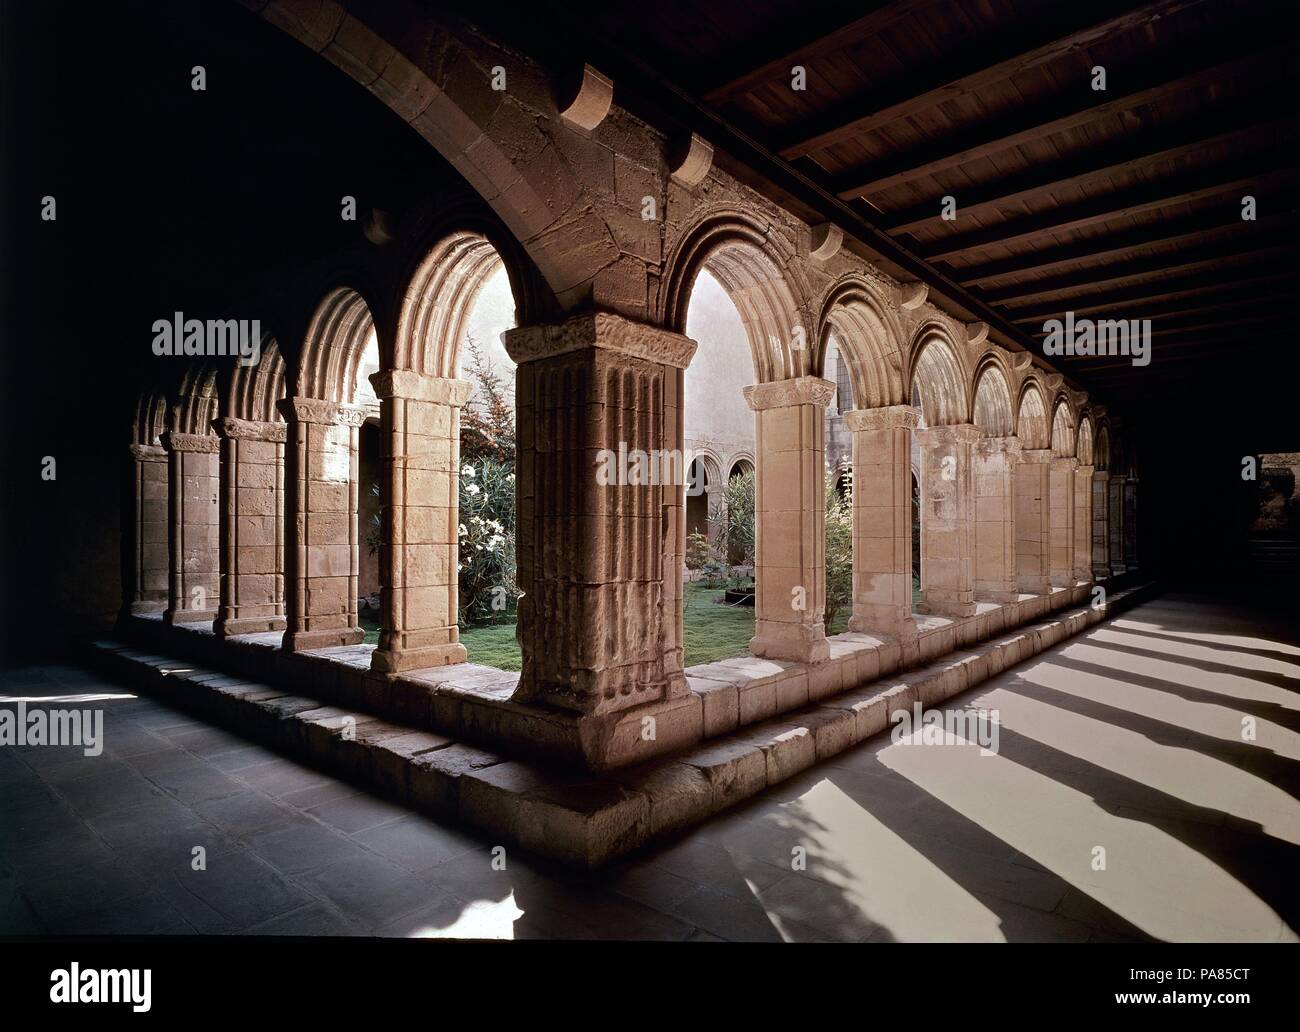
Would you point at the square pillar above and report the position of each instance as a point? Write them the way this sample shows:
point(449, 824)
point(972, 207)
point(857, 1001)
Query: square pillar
point(1130, 523)
point(321, 554)
point(882, 520)
point(1033, 514)
point(996, 459)
point(599, 493)
point(1083, 523)
point(947, 519)
point(1117, 539)
point(148, 569)
point(790, 518)
point(1061, 522)
point(193, 527)
point(1101, 524)
point(418, 551)
point(252, 526)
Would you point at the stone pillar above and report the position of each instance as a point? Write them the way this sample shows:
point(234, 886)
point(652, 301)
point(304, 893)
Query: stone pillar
point(601, 534)
point(321, 554)
point(1033, 516)
point(1130, 524)
point(193, 527)
point(996, 459)
point(882, 520)
point(418, 549)
point(947, 519)
point(1061, 522)
point(1083, 523)
point(1116, 506)
point(1101, 524)
point(145, 589)
point(252, 526)
point(790, 518)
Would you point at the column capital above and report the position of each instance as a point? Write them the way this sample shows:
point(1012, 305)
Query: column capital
point(1036, 455)
point(959, 433)
point(317, 410)
point(1010, 445)
point(1085, 470)
point(148, 453)
point(602, 330)
point(887, 417)
point(1101, 474)
point(175, 442)
point(228, 427)
point(406, 383)
point(1064, 462)
point(801, 390)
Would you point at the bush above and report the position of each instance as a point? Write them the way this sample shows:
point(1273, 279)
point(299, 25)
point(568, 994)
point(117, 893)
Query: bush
point(697, 550)
point(839, 548)
point(734, 517)
point(486, 536)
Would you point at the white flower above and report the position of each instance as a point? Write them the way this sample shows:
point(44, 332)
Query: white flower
point(464, 530)
point(472, 488)
point(467, 470)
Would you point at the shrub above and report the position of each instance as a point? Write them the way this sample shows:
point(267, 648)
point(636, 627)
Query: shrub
point(697, 550)
point(839, 548)
point(735, 519)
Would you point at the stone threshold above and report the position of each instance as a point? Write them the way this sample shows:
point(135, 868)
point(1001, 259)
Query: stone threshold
point(580, 820)
point(472, 703)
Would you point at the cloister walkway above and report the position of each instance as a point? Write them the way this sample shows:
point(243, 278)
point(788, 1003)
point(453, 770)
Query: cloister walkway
point(1127, 798)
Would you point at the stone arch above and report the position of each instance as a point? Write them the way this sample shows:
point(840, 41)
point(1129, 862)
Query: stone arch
point(869, 337)
point(750, 264)
point(329, 365)
point(1084, 441)
point(150, 418)
point(506, 154)
point(1062, 430)
point(1031, 417)
point(991, 408)
point(937, 378)
point(251, 392)
point(740, 464)
point(1101, 450)
point(710, 462)
point(196, 400)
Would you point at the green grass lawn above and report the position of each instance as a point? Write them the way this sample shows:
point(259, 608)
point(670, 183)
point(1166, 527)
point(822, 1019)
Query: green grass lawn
point(712, 631)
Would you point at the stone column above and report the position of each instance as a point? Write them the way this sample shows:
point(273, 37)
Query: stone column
point(1101, 524)
point(418, 549)
point(321, 553)
point(601, 535)
point(996, 459)
point(790, 518)
point(1130, 523)
point(1083, 523)
point(882, 520)
point(145, 589)
point(193, 527)
point(252, 526)
point(1033, 516)
point(1116, 506)
point(947, 519)
point(1061, 522)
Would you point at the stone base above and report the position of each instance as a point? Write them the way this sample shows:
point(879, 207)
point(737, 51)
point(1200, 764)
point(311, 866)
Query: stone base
point(247, 625)
point(394, 661)
point(790, 648)
point(999, 597)
point(145, 608)
point(189, 616)
point(586, 820)
point(304, 641)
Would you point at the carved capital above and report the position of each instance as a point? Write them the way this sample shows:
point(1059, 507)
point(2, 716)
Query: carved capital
point(148, 453)
point(889, 417)
point(404, 383)
point(1085, 470)
point(602, 330)
point(175, 442)
point(248, 429)
point(802, 390)
point(959, 433)
point(1036, 455)
point(1067, 462)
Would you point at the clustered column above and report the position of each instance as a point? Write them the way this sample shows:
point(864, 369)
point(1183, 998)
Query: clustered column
point(1101, 524)
point(1061, 522)
point(996, 459)
point(600, 532)
point(1117, 538)
point(947, 519)
point(252, 526)
point(193, 527)
point(321, 547)
point(148, 569)
point(1083, 523)
point(1033, 515)
point(790, 518)
point(882, 520)
point(418, 551)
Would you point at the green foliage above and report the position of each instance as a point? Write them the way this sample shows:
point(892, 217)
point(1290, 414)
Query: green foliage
point(735, 520)
point(697, 550)
point(839, 549)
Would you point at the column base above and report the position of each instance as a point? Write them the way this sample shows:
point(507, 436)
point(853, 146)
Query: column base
point(392, 661)
point(901, 627)
point(189, 616)
point(304, 641)
point(228, 627)
point(1001, 597)
point(960, 603)
point(795, 648)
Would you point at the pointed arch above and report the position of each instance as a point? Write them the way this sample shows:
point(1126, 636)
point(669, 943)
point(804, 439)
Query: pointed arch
point(1062, 429)
point(1084, 441)
point(1032, 426)
point(938, 380)
point(991, 408)
point(870, 340)
point(337, 337)
point(1101, 450)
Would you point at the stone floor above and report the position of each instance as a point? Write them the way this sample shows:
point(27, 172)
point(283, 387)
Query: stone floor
point(1127, 739)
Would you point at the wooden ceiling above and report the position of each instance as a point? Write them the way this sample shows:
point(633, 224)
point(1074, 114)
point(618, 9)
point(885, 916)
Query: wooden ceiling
point(1117, 203)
